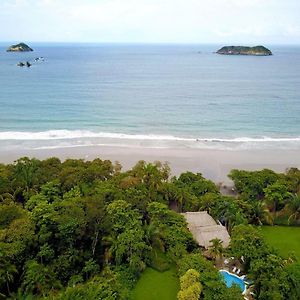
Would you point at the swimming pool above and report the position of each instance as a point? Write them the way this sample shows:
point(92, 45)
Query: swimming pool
point(231, 279)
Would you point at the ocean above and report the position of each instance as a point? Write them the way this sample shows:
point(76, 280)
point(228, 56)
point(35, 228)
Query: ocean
point(183, 96)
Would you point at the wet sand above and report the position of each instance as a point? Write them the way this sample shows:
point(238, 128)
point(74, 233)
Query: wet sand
point(213, 164)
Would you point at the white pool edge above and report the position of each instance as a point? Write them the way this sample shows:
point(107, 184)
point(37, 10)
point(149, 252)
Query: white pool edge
point(245, 289)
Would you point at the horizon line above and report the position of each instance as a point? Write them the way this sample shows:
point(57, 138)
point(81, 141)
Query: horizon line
point(146, 43)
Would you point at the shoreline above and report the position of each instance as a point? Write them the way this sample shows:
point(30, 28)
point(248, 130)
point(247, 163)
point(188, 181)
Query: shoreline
point(213, 164)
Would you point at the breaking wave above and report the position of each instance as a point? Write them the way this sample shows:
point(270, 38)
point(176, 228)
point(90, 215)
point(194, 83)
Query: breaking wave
point(79, 134)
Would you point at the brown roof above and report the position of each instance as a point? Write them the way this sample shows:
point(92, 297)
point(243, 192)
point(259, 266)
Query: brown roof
point(204, 228)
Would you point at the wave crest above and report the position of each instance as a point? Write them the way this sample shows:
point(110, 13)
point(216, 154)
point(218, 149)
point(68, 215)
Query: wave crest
point(77, 134)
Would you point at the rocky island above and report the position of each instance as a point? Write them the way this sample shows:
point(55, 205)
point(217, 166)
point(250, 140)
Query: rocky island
point(243, 50)
point(21, 47)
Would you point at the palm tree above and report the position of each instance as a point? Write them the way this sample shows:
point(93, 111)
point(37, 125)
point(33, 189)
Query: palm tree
point(261, 214)
point(294, 207)
point(216, 249)
point(25, 174)
point(154, 237)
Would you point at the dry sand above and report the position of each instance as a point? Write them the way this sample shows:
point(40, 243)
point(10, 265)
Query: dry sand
point(213, 164)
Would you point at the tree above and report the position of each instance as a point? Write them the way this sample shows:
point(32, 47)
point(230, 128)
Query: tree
point(16, 238)
point(293, 273)
point(248, 242)
point(173, 227)
point(196, 184)
point(91, 268)
point(216, 248)
point(96, 220)
point(224, 208)
point(251, 184)
point(210, 278)
point(38, 279)
point(46, 253)
point(25, 175)
point(7, 272)
point(190, 287)
point(293, 180)
point(154, 237)
point(70, 221)
point(270, 278)
point(294, 207)
point(260, 214)
point(129, 244)
point(276, 194)
point(106, 286)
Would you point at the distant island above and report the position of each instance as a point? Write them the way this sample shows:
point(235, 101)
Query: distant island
point(21, 47)
point(244, 50)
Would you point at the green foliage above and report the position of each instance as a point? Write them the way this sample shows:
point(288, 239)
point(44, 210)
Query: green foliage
point(10, 212)
point(189, 187)
point(293, 206)
point(276, 194)
point(190, 287)
point(270, 278)
point(224, 208)
point(85, 230)
point(265, 192)
point(176, 238)
point(251, 184)
point(210, 278)
point(293, 277)
point(216, 249)
point(247, 242)
point(292, 179)
point(105, 287)
point(159, 261)
point(38, 279)
point(8, 272)
point(128, 245)
point(273, 276)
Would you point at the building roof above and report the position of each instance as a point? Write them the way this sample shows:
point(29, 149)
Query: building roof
point(204, 228)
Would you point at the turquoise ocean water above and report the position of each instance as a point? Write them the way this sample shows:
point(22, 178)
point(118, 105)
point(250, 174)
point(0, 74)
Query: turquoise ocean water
point(149, 95)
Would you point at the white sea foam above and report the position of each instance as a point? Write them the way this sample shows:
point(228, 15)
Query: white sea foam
point(81, 134)
point(75, 134)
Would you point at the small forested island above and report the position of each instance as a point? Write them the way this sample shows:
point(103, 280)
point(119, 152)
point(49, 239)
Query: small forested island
point(88, 230)
point(21, 47)
point(244, 50)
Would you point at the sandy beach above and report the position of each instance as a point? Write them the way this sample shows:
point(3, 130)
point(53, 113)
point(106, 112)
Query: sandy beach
point(213, 164)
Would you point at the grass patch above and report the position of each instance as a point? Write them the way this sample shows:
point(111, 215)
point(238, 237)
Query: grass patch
point(154, 285)
point(285, 239)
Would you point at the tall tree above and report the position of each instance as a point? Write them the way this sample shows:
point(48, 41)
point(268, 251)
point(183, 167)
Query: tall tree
point(190, 286)
point(129, 244)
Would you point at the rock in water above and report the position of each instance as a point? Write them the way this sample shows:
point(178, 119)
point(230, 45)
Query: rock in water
point(243, 50)
point(19, 48)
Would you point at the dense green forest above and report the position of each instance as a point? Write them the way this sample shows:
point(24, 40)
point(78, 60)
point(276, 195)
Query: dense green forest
point(87, 230)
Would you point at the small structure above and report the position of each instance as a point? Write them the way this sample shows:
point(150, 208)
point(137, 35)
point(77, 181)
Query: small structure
point(204, 229)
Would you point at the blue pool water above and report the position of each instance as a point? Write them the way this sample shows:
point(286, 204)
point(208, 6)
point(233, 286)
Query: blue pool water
point(231, 279)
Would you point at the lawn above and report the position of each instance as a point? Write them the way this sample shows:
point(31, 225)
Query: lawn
point(283, 238)
point(154, 285)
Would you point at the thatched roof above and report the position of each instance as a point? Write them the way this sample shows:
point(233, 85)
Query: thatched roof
point(204, 228)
